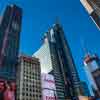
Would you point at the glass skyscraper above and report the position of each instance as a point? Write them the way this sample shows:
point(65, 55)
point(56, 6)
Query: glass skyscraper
point(61, 63)
point(10, 28)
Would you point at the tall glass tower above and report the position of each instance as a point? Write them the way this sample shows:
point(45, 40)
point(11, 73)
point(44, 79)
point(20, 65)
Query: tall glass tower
point(10, 28)
point(61, 63)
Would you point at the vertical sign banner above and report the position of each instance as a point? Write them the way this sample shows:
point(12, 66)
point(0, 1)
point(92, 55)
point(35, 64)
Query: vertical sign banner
point(48, 82)
point(48, 87)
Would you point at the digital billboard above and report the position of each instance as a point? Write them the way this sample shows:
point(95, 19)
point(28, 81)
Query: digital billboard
point(48, 87)
point(49, 94)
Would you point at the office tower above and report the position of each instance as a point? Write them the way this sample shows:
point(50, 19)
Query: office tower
point(48, 87)
point(10, 28)
point(28, 79)
point(60, 63)
point(44, 54)
point(92, 64)
point(93, 8)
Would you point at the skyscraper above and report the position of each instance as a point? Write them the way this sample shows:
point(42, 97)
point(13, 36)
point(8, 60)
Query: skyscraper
point(29, 79)
point(92, 64)
point(61, 63)
point(93, 8)
point(10, 28)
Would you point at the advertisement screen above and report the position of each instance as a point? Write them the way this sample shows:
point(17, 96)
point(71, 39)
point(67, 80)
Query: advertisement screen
point(48, 81)
point(7, 90)
point(49, 95)
point(48, 87)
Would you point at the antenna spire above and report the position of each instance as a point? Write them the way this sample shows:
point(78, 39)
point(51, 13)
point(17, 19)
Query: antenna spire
point(84, 46)
point(57, 21)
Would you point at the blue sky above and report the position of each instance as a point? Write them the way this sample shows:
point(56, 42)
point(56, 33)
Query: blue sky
point(39, 15)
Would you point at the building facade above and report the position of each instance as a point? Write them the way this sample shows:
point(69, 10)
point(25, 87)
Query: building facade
point(93, 9)
point(10, 28)
point(28, 79)
point(61, 63)
point(92, 64)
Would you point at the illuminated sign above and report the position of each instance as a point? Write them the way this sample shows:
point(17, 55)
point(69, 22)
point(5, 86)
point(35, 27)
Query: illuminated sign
point(49, 95)
point(48, 81)
point(48, 87)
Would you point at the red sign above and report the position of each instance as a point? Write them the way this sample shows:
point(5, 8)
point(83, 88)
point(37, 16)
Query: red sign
point(7, 90)
point(50, 98)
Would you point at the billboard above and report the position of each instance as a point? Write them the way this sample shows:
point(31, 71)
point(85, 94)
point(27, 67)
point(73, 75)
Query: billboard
point(48, 81)
point(48, 87)
point(7, 90)
point(49, 94)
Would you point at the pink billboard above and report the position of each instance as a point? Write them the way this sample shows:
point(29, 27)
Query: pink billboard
point(48, 87)
point(7, 90)
point(49, 94)
point(48, 81)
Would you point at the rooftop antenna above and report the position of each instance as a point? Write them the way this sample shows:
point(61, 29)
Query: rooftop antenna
point(83, 44)
point(57, 21)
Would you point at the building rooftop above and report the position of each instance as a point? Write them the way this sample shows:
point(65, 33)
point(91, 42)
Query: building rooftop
point(29, 58)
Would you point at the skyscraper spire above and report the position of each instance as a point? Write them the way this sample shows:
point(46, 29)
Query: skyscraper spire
point(57, 21)
point(83, 45)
